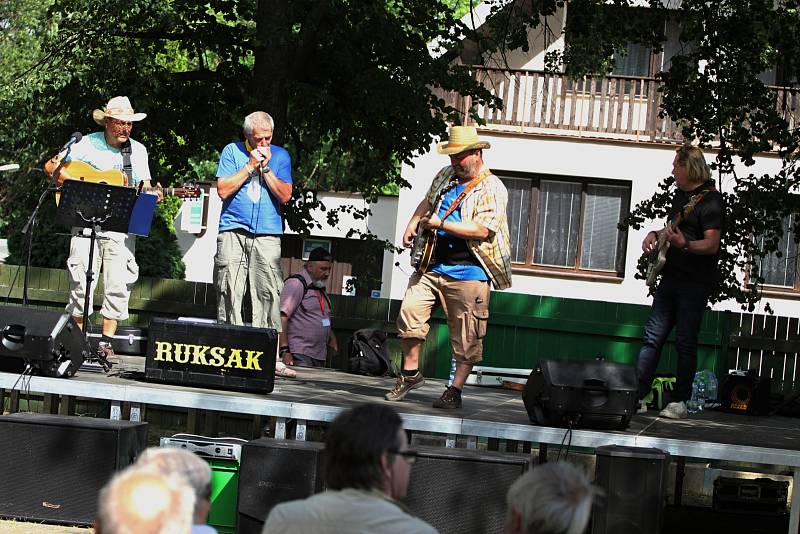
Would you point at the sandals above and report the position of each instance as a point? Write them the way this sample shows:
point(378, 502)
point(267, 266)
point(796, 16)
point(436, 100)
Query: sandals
point(282, 370)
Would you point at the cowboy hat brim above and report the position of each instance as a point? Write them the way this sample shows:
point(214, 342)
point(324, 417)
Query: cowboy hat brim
point(99, 115)
point(448, 149)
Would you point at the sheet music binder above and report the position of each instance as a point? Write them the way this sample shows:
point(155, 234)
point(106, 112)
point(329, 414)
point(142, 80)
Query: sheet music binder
point(117, 208)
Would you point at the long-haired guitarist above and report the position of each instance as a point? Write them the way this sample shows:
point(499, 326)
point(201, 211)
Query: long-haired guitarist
point(688, 276)
point(465, 210)
point(113, 152)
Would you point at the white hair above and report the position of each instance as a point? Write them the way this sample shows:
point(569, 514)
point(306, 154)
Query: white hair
point(258, 119)
point(170, 460)
point(140, 500)
point(553, 498)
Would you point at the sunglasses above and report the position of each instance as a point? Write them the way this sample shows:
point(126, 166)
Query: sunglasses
point(409, 455)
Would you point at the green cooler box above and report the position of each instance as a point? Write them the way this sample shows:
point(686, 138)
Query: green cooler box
point(224, 456)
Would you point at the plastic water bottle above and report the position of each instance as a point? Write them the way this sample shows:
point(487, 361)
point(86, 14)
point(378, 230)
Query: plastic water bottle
point(701, 395)
point(698, 401)
point(452, 372)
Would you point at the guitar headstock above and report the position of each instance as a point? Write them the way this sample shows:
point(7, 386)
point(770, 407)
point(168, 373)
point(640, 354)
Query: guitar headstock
point(189, 190)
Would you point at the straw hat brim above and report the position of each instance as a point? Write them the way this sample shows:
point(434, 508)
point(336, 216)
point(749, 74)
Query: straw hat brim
point(448, 149)
point(99, 115)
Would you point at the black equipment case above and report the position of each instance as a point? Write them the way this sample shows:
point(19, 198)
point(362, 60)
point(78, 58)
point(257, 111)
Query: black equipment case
point(237, 358)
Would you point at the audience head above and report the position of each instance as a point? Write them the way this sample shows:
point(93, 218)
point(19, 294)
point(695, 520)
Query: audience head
point(181, 462)
point(367, 448)
point(553, 498)
point(140, 500)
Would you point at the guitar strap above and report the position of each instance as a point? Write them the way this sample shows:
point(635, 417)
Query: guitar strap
point(693, 202)
point(127, 167)
point(470, 186)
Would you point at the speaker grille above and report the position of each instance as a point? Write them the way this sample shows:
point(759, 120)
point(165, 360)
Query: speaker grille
point(56, 465)
point(275, 471)
point(462, 491)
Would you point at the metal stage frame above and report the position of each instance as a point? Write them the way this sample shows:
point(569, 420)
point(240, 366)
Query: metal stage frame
point(318, 395)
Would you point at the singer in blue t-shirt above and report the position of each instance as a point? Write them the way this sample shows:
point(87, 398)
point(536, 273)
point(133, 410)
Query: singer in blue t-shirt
point(254, 178)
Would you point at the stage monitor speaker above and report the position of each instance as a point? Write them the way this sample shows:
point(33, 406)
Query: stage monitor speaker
point(462, 490)
point(582, 394)
point(48, 340)
point(55, 465)
point(275, 471)
point(746, 394)
point(634, 482)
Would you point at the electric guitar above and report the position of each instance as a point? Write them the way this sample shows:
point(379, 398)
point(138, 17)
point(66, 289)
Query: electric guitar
point(657, 258)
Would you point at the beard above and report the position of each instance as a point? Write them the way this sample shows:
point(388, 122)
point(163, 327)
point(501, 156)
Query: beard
point(319, 284)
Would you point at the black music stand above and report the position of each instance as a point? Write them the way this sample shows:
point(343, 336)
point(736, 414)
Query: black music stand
point(100, 207)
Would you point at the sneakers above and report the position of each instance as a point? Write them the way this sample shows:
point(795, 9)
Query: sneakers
point(106, 351)
point(403, 385)
point(675, 410)
point(642, 407)
point(450, 399)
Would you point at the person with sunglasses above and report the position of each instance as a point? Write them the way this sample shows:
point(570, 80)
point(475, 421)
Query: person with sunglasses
point(368, 469)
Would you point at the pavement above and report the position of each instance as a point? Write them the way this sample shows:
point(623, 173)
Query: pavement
point(20, 527)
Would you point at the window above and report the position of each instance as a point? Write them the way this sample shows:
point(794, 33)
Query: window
point(567, 224)
point(634, 62)
point(781, 271)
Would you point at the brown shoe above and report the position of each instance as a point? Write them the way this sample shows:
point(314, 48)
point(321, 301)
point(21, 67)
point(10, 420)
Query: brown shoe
point(450, 399)
point(403, 385)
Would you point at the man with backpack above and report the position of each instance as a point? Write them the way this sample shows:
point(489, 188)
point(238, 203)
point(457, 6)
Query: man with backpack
point(306, 334)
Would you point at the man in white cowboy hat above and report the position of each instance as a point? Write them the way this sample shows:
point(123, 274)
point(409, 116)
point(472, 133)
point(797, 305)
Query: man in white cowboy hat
point(109, 149)
point(254, 179)
point(466, 207)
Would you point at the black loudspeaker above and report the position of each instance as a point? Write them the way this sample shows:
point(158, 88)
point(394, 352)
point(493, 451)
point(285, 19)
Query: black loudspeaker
point(582, 393)
point(54, 465)
point(463, 491)
point(275, 471)
point(746, 394)
point(634, 481)
point(49, 341)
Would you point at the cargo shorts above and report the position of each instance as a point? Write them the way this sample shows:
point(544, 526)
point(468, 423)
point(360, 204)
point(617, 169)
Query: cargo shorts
point(465, 304)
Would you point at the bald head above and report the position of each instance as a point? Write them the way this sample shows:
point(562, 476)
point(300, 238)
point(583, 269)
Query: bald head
point(181, 462)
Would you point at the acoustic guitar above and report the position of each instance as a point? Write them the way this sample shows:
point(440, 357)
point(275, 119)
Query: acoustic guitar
point(425, 241)
point(79, 170)
point(657, 258)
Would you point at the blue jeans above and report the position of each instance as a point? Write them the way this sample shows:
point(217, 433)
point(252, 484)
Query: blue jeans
point(680, 304)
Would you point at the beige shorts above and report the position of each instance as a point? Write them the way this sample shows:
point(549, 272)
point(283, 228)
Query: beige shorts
point(466, 306)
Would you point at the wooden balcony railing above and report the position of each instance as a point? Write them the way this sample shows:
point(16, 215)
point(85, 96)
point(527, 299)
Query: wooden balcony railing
point(615, 107)
point(600, 107)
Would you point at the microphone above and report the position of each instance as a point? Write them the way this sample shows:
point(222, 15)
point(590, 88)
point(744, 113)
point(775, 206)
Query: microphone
point(74, 138)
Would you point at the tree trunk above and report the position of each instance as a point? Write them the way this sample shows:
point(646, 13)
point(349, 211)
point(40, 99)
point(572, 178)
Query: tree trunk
point(273, 60)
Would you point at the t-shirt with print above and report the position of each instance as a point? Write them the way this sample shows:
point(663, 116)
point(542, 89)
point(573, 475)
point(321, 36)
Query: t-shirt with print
point(94, 150)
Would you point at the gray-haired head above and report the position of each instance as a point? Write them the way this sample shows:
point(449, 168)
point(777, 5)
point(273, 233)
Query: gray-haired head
point(258, 119)
point(553, 498)
point(186, 464)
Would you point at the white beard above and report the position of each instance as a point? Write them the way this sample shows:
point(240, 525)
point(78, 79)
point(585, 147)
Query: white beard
point(319, 284)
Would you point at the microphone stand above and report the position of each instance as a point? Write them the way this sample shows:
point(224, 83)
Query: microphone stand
point(32, 220)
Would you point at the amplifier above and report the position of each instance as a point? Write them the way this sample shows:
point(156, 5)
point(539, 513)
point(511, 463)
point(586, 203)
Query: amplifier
point(238, 358)
point(748, 496)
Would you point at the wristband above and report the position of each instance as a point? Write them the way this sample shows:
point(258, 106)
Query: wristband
point(284, 350)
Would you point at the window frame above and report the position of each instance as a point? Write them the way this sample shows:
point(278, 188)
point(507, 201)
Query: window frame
point(576, 271)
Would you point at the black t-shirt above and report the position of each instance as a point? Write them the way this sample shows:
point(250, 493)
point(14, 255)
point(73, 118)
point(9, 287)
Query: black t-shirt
point(708, 214)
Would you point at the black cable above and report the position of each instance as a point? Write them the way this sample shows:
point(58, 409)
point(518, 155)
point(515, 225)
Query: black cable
point(11, 285)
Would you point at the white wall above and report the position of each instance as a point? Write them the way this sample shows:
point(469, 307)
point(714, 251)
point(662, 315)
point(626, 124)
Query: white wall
point(643, 165)
point(198, 253)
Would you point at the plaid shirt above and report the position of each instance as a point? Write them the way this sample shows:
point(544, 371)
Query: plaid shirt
point(485, 205)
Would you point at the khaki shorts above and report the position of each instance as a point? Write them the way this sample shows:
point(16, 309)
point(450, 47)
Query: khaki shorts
point(466, 306)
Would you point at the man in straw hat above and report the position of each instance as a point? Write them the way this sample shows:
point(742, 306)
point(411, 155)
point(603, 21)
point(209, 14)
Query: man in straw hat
point(111, 148)
point(466, 207)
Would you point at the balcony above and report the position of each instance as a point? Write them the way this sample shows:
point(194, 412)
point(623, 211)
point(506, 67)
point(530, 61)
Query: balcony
point(610, 107)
